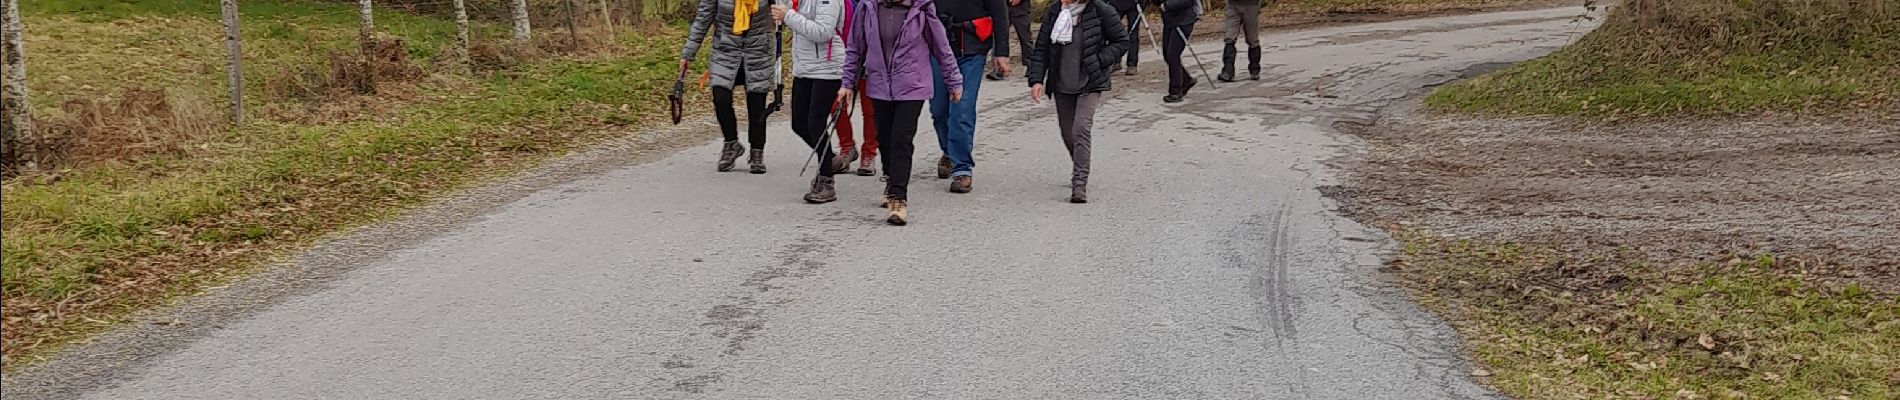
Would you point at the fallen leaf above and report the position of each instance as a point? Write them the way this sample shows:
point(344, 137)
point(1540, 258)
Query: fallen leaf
point(1707, 342)
point(1480, 372)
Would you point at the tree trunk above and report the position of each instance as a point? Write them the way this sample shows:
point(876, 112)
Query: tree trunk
point(367, 11)
point(573, 35)
point(522, 31)
point(234, 59)
point(607, 16)
point(20, 141)
point(368, 35)
point(461, 33)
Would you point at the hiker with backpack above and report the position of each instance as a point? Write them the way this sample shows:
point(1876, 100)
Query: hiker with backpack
point(744, 54)
point(817, 64)
point(978, 34)
point(1080, 44)
point(892, 39)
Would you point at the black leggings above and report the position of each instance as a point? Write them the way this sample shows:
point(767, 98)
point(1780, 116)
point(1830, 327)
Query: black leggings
point(896, 129)
point(811, 112)
point(754, 112)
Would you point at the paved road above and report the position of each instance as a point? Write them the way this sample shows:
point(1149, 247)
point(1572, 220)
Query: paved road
point(1208, 267)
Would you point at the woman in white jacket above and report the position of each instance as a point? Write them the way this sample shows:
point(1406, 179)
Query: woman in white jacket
point(817, 62)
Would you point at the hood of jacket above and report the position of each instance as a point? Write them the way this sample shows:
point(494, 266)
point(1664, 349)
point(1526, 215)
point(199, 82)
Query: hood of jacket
point(903, 73)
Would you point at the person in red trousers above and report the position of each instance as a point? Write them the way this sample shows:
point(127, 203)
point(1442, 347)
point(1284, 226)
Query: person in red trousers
point(848, 150)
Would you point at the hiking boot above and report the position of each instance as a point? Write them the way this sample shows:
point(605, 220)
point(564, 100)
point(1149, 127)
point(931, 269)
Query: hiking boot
point(1173, 98)
point(1113, 68)
point(822, 191)
point(943, 167)
point(1079, 193)
point(842, 163)
point(757, 160)
point(1130, 71)
point(729, 155)
point(960, 184)
point(994, 75)
point(898, 216)
point(866, 168)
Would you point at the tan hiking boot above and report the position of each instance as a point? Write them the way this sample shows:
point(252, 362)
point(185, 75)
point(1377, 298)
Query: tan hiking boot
point(898, 215)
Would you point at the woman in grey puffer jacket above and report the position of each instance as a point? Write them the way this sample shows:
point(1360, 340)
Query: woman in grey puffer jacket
point(817, 64)
point(746, 56)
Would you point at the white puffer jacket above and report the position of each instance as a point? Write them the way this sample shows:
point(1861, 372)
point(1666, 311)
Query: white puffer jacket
point(817, 50)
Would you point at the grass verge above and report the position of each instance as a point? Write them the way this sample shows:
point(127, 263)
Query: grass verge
point(86, 246)
point(1703, 57)
point(1554, 325)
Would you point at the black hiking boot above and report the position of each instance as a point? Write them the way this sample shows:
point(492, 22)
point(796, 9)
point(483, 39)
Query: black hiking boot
point(1079, 193)
point(730, 155)
point(842, 163)
point(757, 160)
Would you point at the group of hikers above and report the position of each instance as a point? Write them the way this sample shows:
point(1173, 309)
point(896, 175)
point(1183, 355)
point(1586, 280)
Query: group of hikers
point(898, 56)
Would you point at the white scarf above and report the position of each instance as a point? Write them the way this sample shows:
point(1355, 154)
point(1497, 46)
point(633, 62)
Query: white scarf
point(1065, 22)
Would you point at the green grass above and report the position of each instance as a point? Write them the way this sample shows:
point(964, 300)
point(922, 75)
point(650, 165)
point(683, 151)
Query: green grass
point(1551, 326)
point(1704, 57)
point(117, 236)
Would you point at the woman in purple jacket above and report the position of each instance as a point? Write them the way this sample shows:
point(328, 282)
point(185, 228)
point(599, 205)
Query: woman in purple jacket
point(892, 45)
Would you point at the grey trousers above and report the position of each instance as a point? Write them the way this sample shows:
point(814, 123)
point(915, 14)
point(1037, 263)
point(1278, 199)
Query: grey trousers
point(1243, 20)
point(1075, 114)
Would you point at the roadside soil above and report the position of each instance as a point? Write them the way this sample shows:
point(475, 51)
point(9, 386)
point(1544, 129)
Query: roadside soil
point(1819, 191)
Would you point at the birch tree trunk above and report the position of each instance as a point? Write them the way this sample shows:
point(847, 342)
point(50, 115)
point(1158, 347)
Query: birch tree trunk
point(17, 135)
point(234, 59)
point(522, 31)
point(367, 11)
point(461, 33)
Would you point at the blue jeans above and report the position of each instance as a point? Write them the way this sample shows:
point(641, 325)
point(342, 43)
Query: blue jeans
point(956, 122)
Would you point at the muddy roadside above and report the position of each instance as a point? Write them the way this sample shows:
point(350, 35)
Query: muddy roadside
point(1752, 256)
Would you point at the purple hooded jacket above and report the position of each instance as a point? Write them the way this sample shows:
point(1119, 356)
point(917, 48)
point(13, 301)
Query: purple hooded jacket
point(903, 75)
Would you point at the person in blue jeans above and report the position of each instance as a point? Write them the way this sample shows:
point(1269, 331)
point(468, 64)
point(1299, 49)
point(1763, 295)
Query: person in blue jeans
point(979, 34)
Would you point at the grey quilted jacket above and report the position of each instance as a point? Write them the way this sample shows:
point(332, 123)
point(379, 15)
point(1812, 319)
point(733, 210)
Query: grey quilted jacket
point(756, 50)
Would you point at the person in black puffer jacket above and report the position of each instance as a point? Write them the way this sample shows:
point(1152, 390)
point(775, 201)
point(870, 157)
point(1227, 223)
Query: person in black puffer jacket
point(1074, 55)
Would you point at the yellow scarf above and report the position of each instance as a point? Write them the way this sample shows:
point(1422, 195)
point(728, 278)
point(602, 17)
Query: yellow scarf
point(742, 15)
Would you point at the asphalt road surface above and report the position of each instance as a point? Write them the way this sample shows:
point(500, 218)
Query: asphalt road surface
point(1209, 266)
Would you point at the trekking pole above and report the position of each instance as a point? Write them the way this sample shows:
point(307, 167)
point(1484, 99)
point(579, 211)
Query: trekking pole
point(1197, 58)
point(1184, 45)
point(824, 140)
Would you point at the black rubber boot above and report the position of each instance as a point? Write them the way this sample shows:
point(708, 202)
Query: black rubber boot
point(1253, 61)
point(1227, 58)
